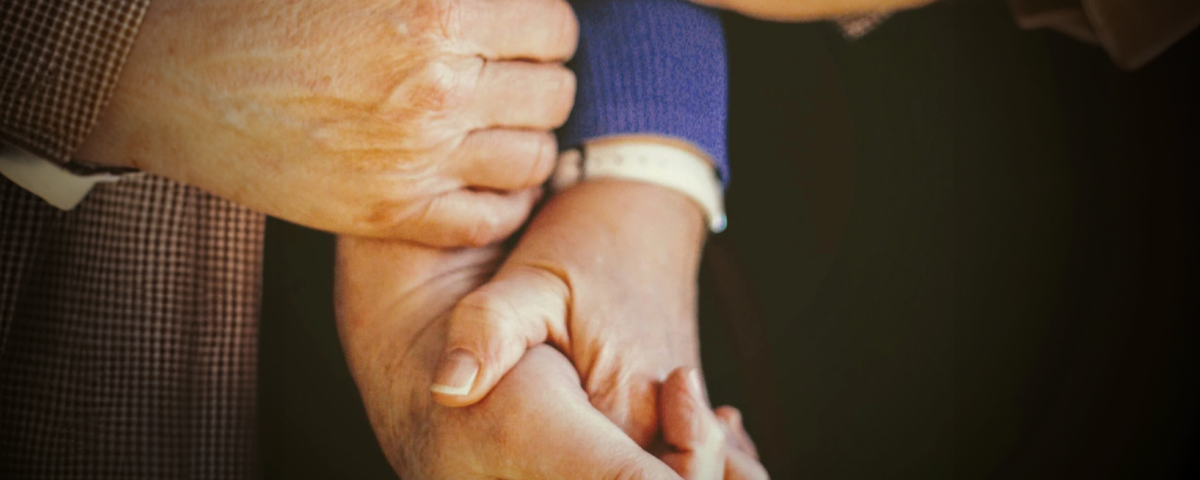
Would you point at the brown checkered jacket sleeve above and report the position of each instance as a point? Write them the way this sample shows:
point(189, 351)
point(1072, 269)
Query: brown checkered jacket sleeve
point(128, 326)
point(59, 63)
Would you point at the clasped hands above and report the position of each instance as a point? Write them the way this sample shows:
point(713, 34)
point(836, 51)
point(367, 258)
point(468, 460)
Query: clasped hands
point(605, 273)
point(423, 131)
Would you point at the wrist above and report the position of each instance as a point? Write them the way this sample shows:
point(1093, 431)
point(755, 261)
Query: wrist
point(651, 159)
point(393, 300)
point(636, 231)
point(636, 209)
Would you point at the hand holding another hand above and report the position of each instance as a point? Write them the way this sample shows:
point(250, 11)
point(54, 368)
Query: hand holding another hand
point(427, 121)
point(537, 423)
point(606, 272)
point(392, 304)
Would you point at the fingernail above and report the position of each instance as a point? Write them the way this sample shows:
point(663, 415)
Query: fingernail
point(456, 374)
point(693, 382)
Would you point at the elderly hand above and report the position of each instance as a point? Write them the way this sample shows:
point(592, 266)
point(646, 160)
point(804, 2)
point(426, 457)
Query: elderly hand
point(606, 272)
point(794, 10)
point(429, 121)
point(537, 424)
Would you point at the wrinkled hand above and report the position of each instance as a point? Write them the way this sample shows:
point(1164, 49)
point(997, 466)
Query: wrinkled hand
point(606, 273)
point(537, 424)
point(428, 121)
point(793, 10)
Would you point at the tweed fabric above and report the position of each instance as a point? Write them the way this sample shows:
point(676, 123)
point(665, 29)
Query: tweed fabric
point(59, 63)
point(128, 334)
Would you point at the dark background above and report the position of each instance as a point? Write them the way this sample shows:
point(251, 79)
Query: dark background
point(956, 250)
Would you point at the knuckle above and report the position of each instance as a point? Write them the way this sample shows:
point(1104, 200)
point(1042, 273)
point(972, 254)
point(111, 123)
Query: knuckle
point(486, 309)
point(383, 214)
point(443, 89)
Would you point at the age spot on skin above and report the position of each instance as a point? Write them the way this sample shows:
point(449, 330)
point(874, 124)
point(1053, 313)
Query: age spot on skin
point(400, 18)
point(236, 118)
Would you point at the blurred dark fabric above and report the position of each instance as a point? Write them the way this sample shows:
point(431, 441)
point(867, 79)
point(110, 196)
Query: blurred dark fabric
point(1133, 32)
point(956, 250)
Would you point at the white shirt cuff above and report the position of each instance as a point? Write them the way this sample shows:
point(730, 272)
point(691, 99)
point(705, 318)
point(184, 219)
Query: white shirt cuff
point(48, 180)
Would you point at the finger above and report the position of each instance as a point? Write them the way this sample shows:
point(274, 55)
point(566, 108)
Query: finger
point(523, 95)
point(732, 418)
point(570, 437)
point(540, 30)
point(690, 428)
point(740, 466)
point(741, 462)
point(491, 329)
point(473, 218)
point(507, 159)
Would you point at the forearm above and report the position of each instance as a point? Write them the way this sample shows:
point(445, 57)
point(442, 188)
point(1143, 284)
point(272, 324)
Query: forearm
point(793, 10)
point(392, 316)
point(392, 299)
point(392, 372)
point(656, 232)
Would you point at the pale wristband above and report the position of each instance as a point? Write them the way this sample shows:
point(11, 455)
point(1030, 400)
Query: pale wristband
point(646, 161)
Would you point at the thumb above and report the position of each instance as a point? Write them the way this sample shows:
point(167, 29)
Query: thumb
point(690, 428)
point(491, 328)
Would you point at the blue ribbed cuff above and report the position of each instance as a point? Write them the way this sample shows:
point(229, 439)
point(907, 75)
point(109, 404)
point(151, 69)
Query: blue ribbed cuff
point(650, 67)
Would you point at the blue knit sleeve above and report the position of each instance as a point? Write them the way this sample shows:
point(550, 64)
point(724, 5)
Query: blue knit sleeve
point(650, 67)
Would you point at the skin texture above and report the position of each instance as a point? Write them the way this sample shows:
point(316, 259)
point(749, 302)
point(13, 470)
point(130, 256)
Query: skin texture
point(393, 304)
point(703, 444)
point(807, 10)
point(394, 300)
point(606, 273)
point(428, 121)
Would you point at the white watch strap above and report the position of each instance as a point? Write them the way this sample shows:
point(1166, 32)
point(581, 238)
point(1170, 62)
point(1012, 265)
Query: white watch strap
point(650, 162)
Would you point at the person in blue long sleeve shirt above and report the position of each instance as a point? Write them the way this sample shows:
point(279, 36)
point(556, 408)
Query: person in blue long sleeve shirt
point(607, 270)
point(648, 70)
